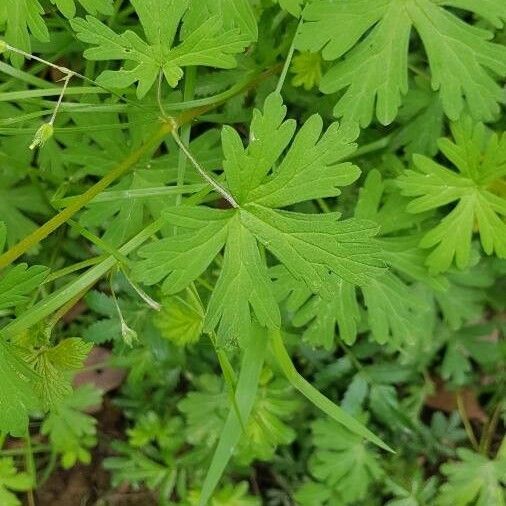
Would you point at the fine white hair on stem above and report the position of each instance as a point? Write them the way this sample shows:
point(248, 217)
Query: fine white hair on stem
point(229, 198)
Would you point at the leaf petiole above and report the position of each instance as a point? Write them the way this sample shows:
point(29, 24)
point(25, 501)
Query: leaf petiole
point(201, 171)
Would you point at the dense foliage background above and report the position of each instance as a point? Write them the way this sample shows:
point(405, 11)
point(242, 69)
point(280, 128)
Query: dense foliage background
point(203, 202)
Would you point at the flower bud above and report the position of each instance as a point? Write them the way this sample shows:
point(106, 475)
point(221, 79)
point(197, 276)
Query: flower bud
point(129, 335)
point(3, 46)
point(42, 135)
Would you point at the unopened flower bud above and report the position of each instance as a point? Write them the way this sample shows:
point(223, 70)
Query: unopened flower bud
point(42, 135)
point(3, 46)
point(129, 335)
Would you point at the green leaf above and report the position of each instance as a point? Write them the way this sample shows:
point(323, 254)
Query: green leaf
point(470, 342)
point(307, 70)
point(93, 7)
point(415, 493)
point(207, 408)
point(212, 42)
point(155, 466)
point(15, 203)
point(465, 297)
point(322, 312)
point(12, 481)
point(247, 386)
point(270, 424)
point(131, 465)
point(474, 479)
point(343, 462)
point(180, 319)
point(71, 431)
point(234, 14)
point(55, 365)
point(480, 159)
point(390, 301)
point(22, 18)
point(312, 168)
point(17, 396)
point(391, 306)
point(371, 47)
point(294, 7)
point(309, 245)
point(17, 283)
point(243, 282)
point(186, 258)
point(317, 398)
point(422, 121)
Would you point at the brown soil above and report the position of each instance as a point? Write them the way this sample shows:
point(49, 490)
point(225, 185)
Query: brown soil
point(90, 485)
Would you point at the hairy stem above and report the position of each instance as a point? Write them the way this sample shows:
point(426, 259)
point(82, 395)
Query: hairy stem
point(188, 94)
point(227, 196)
point(116, 172)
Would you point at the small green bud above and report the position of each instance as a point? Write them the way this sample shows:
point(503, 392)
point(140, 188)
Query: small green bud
point(42, 135)
point(3, 46)
point(129, 335)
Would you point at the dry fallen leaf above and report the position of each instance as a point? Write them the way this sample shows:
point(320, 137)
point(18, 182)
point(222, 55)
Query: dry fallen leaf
point(446, 400)
point(99, 374)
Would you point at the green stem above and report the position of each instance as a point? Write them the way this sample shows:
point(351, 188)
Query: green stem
point(220, 189)
point(67, 71)
point(30, 467)
point(138, 193)
point(66, 81)
point(16, 452)
point(99, 243)
point(116, 172)
point(490, 430)
point(57, 299)
point(188, 94)
point(288, 60)
point(74, 267)
point(62, 217)
point(371, 147)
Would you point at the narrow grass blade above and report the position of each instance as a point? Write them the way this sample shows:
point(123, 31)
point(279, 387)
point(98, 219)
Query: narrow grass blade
point(317, 398)
point(247, 386)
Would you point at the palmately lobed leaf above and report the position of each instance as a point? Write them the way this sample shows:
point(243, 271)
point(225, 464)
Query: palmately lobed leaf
point(54, 366)
point(390, 301)
point(17, 395)
point(17, 283)
point(370, 43)
point(480, 158)
point(474, 479)
point(261, 180)
point(343, 462)
point(206, 38)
